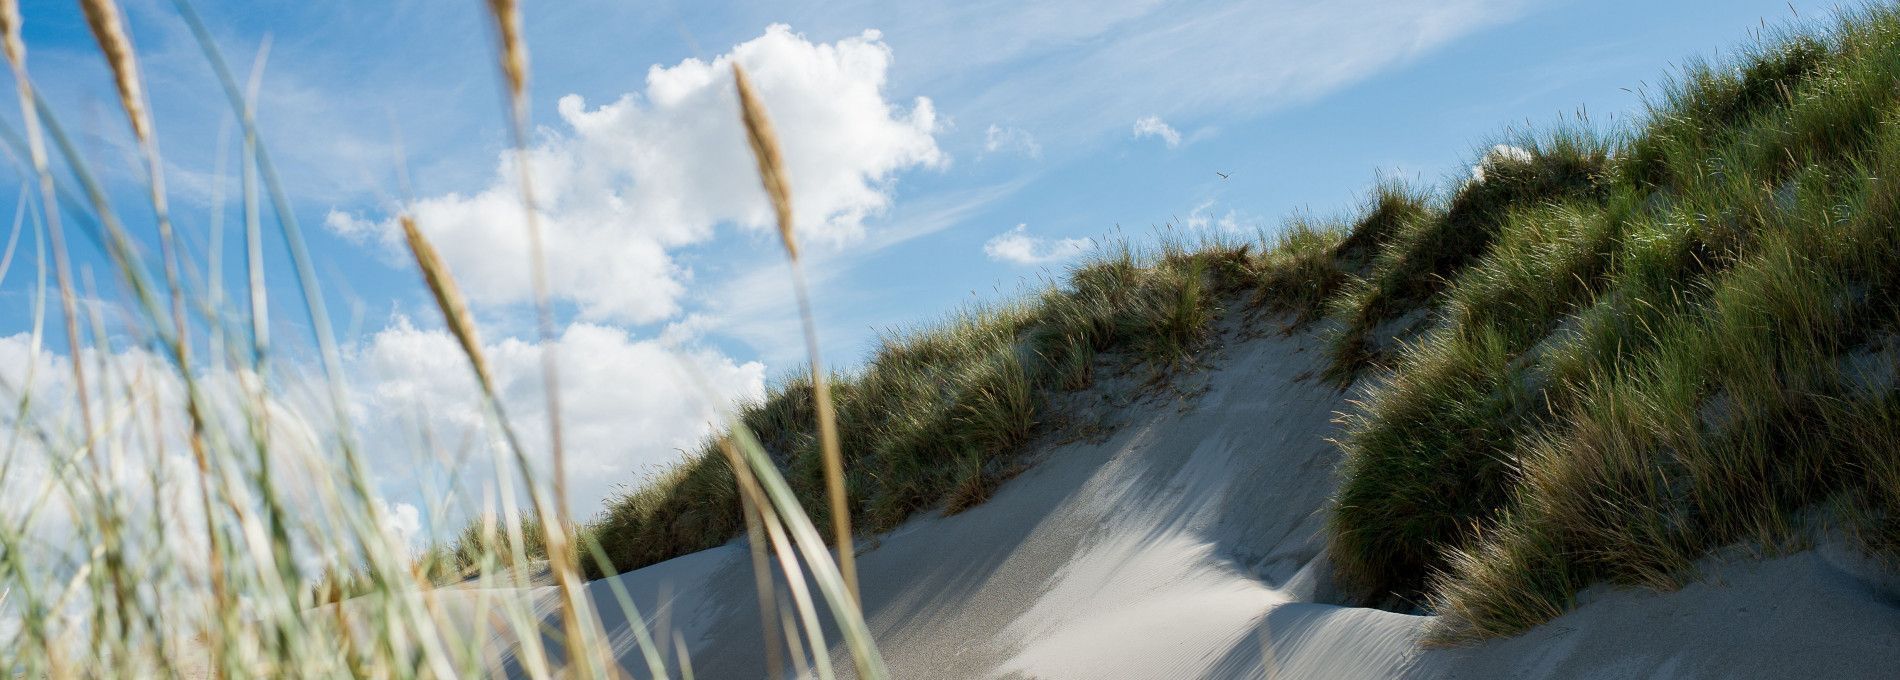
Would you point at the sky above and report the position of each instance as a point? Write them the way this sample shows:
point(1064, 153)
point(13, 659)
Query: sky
point(940, 154)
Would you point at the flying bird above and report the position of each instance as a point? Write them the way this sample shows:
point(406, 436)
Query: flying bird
point(1222, 174)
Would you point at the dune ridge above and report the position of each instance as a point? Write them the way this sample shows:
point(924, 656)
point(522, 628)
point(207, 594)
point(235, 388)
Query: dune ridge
point(1188, 542)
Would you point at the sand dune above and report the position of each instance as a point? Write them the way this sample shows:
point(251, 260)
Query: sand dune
point(1188, 543)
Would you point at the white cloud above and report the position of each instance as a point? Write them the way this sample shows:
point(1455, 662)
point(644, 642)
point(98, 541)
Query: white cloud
point(631, 180)
point(402, 523)
point(352, 226)
point(1153, 126)
point(1016, 246)
point(137, 405)
point(628, 406)
point(1204, 216)
point(998, 138)
point(1501, 153)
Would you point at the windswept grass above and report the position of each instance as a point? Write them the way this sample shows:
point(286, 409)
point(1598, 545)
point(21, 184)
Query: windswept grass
point(1602, 357)
point(1599, 358)
point(939, 415)
point(270, 552)
point(1640, 352)
point(1415, 246)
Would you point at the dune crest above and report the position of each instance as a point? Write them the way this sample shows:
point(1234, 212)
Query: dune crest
point(1188, 542)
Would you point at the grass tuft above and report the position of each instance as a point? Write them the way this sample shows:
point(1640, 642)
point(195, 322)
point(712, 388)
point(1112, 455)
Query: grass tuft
point(1639, 352)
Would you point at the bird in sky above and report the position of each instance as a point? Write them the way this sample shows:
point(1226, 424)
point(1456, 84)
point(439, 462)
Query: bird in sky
point(1222, 174)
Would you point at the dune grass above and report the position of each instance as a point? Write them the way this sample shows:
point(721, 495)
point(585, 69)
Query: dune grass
point(938, 417)
point(1600, 357)
point(178, 514)
point(1682, 349)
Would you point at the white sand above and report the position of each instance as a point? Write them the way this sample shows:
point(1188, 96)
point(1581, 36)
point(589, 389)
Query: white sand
point(1188, 544)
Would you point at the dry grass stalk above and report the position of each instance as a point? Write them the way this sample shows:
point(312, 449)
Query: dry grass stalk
point(447, 296)
point(10, 32)
point(102, 16)
point(752, 503)
point(554, 516)
point(514, 50)
point(764, 140)
point(108, 29)
point(765, 149)
point(782, 544)
point(15, 49)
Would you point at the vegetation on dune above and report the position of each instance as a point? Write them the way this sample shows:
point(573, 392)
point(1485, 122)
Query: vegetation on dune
point(1686, 348)
point(939, 415)
point(1600, 358)
point(122, 557)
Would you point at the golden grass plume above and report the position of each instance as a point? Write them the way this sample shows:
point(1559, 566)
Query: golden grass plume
point(514, 50)
point(765, 149)
point(108, 28)
point(10, 32)
point(448, 296)
point(758, 131)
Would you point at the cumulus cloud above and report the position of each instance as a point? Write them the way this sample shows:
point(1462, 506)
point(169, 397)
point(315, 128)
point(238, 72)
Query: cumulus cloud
point(998, 138)
point(1016, 246)
point(402, 523)
point(628, 181)
point(629, 406)
point(1154, 126)
point(137, 401)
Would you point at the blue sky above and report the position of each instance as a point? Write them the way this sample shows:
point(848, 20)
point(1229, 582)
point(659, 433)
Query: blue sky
point(947, 153)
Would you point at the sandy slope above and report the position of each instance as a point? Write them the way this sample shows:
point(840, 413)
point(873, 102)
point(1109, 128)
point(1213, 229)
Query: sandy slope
point(1187, 543)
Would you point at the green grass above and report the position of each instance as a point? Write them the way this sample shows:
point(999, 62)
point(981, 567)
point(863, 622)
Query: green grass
point(1648, 357)
point(1415, 244)
point(1615, 353)
point(939, 416)
point(168, 505)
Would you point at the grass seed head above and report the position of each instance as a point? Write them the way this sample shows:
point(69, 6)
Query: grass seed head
point(108, 28)
point(758, 130)
point(447, 295)
point(10, 32)
point(514, 52)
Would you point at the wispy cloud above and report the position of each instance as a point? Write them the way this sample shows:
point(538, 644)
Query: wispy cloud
point(756, 307)
point(1246, 56)
point(1154, 126)
point(1010, 139)
point(1017, 247)
point(1206, 217)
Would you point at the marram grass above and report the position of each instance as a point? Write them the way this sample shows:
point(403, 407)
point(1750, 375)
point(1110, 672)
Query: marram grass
point(1601, 356)
point(1607, 355)
point(268, 553)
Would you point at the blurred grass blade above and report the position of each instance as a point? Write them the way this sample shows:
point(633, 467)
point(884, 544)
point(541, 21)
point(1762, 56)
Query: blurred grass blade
point(765, 150)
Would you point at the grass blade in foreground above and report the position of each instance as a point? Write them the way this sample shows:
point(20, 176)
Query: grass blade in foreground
point(758, 127)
